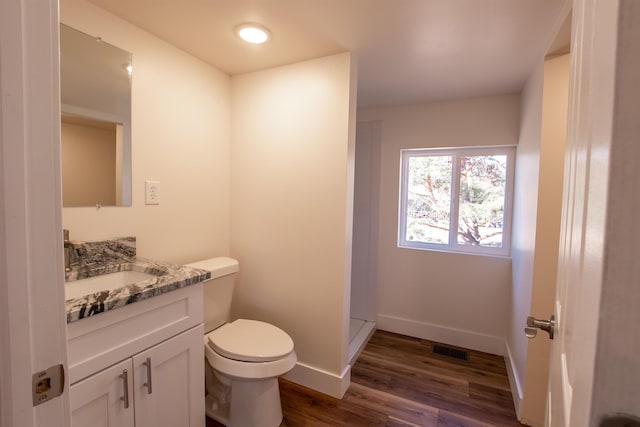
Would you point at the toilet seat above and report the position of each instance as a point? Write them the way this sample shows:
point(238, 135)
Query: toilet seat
point(248, 370)
point(250, 341)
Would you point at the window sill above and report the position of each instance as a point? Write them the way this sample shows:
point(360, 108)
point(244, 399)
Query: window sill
point(450, 251)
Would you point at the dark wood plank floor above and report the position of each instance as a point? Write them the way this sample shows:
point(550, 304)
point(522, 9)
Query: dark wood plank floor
point(398, 381)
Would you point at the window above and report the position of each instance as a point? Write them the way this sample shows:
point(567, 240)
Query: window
point(456, 199)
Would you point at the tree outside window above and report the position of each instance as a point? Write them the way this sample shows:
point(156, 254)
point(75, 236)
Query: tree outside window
point(457, 199)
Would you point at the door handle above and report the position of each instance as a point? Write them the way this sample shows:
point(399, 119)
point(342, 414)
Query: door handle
point(125, 386)
point(533, 324)
point(147, 363)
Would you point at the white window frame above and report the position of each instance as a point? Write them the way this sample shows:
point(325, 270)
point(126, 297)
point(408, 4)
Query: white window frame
point(456, 153)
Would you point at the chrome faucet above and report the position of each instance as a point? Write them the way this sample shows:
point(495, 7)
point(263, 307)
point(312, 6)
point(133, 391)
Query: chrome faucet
point(67, 250)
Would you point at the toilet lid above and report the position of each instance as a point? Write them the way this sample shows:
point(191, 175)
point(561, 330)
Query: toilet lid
point(250, 341)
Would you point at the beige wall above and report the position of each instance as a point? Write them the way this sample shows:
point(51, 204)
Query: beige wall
point(180, 137)
point(88, 164)
point(454, 298)
point(293, 133)
point(535, 270)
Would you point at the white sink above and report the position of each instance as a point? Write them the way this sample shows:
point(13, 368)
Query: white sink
point(105, 282)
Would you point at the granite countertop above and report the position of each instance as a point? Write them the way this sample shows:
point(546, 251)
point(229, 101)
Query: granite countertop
point(93, 259)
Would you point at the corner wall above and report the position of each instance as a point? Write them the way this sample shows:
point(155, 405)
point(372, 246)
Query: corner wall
point(523, 235)
point(453, 298)
point(180, 137)
point(293, 136)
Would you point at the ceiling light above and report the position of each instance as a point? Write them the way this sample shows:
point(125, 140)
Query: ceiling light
point(253, 33)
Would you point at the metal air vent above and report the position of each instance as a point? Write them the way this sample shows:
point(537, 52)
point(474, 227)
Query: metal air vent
point(450, 352)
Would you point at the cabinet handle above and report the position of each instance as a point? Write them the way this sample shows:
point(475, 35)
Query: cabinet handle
point(125, 385)
point(147, 363)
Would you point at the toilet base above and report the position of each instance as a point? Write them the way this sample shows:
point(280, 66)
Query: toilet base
point(253, 404)
point(215, 411)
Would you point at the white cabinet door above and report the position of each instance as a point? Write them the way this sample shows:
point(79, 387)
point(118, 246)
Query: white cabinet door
point(169, 382)
point(101, 399)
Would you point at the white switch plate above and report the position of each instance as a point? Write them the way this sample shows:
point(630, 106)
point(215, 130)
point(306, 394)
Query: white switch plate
point(152, 192)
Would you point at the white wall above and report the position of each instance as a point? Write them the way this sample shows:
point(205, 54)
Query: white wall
point(180, 137)
point(453, 298)
point(293, 133)
point(617, 366)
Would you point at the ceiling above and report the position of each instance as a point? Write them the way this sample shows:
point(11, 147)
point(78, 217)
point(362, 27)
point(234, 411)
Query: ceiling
point(408, 51)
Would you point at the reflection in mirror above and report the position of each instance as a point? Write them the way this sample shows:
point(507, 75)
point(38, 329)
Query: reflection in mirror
point(95, 85)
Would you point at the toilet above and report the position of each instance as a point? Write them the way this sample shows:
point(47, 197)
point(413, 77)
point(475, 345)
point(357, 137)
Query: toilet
point(243, 358)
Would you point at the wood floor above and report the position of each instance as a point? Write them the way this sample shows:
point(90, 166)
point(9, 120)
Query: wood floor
point(398, 381)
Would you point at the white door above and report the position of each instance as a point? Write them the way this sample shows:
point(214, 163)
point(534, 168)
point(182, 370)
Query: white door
point(570, 258)
point(104, 399)
point(169, 382)
point(593, 371)
point(32, 321)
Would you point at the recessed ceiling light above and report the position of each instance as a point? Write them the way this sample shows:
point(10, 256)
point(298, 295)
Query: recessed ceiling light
point(253, 33)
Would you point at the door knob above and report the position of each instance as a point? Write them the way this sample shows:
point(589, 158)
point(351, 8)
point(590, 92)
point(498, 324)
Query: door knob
point(533, 324)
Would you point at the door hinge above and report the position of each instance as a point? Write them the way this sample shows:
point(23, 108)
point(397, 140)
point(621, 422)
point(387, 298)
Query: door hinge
point(47, 384)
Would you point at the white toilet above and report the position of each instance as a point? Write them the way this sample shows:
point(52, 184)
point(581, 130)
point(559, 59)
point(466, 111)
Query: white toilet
point(244, 358)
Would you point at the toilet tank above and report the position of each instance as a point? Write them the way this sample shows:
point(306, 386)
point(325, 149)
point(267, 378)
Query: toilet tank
point(218, 290)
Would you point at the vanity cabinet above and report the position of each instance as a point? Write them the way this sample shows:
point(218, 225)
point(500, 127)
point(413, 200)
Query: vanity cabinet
point(100, 399)
point(164, 387)
point(169, 382)
point(161, 371)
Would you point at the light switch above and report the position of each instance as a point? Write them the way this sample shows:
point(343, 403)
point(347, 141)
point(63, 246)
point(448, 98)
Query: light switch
point(152, 192)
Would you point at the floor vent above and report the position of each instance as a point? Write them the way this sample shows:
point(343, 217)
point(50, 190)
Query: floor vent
point(450, 352)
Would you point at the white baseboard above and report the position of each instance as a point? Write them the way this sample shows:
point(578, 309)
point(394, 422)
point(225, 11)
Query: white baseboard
point(319, 380)
point(458, 337)
point(514, 381)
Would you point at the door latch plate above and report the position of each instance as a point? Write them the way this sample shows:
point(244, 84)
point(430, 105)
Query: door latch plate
point(47, 384)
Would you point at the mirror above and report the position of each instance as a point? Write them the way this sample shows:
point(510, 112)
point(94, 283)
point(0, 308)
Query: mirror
point(95, 94)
